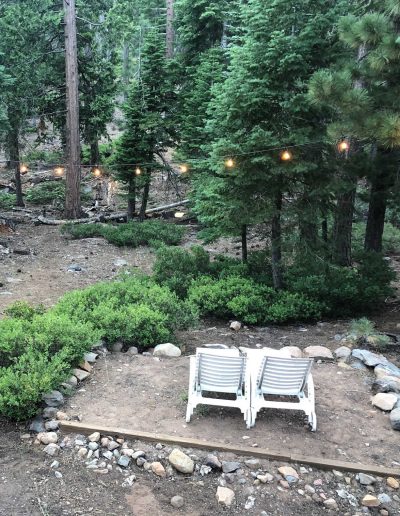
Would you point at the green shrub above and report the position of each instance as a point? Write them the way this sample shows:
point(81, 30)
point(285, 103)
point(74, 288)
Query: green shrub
point(7, 201)
point(131, 234)
point(291, 307)
point(14, 338)
point(49, 192)
point(23, 310)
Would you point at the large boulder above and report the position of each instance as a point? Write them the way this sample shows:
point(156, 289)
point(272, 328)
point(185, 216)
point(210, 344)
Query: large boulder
point(53, 399)
point(167, 350)
point(395, 419)
point(387, 369)
point(294, 351)
point(384, 401)
point(342, 353)
point(386, 384)
point(370, 359)
point(318, 352)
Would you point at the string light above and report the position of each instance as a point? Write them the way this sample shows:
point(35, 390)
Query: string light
point(23, 169)
point(138, 171)
point(59, 171)
point(97, 172)
point(286, 155)
point(179, 214)
point(183, 169)
point(343, 146)
point(229, 163)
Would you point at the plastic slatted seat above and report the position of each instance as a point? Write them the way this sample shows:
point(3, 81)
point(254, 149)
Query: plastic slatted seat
point(219, 371)
point(284, 377)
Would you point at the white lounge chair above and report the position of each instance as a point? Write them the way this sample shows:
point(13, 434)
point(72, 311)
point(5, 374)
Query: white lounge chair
point(284, 377)
point(219, 371)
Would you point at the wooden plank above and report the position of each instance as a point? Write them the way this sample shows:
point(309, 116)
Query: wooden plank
point(262, 453)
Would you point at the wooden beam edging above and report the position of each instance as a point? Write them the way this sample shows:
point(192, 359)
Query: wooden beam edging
point(262, 453)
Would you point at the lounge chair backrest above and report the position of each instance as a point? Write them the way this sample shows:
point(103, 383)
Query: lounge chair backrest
point(283, 375)
point(220, 372)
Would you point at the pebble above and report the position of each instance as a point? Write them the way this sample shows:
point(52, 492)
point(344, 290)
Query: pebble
point(124, 461)
point(288, 471)
point(177, 502)
point(181, 461)
point(225, 496)
point(108, 455)
point(370, 501)
point(395, 419)
point(158, 469)
point(82, 452)
point(52, 449)
point(112, 445)
point(264, 479)
point(47, 437)
point(37, 425)
point(138, 454)
point(58, 474)
point(249, 503)
point(93, 446)
point(365, 480)
point(213, 462)
point(253, 463)
point(54, 464)
point(384, 498)
point(95, 437)
point(230, 466)
point(330, 503)
point(392, 482)
point(128, 482)
point(53, 399)
point(51, 425)
point(62, 416)
point(140, 461)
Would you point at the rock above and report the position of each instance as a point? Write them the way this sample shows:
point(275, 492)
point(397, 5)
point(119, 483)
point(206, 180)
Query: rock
point(225, 496)
point(90, 357)
point(253, 463)
point(127, 451)
point(370, 359)
point(62, 416)
point(216, 346)
point(284, 484)
point(384, 498)
point(213, 462)
point(342, 353)
point(128, 482)
point(235, 325)
point(108, 454)
point(158, 469)
point(80, 374)
point(112, 445)
point(177, 502)
point(93, 446)
point(395, 419)
point(141, 461)
point(124, 461)
point(57, 474)
point(330, 503)
point(249, 503)
point(181, 461)
point(230, 466)
point(55, 464)
point(318, 352)
point(52, 425)
point(119, 262)
point(47, 437)
point(204, 470)
point(387, 369)
point(50, 412)
point(117, 347)
point(167, 350)
point(74, 267)
point(52, 449)
point(72, 382)
point(133, 350)
point(95, 437)
point(384, 401)
point(370, 501)
point(85, 366)
point(288, 471)
point(386, 384)
point(365, 480)
point(105, 441)
point(37, 425)
point(392, 482)
point(82, 452)
point(265, 479)
point(357, 364)
point(138, 454)
point(53, 399)
point(294, 351)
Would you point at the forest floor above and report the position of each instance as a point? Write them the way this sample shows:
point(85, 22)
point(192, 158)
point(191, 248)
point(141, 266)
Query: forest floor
point(142, 393)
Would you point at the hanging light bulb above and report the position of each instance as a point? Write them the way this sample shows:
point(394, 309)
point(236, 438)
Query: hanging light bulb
point(184, 169)
point(59, 171)
point(229, 163)
point(286, 155)
point(138, 171)
point(23, 169)
point(97, 172)
point(343, 146)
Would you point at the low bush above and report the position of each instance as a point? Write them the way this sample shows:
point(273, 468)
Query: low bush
point(51, 192)
point(130, 234)
point(23, 310)
point(7, 201)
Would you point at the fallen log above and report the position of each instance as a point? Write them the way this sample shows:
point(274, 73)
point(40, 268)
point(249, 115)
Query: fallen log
point(101, 217)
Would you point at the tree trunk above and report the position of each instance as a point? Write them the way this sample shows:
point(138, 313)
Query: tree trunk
point(73, 208)
point(13, 149)
point(131, 199)
point(324, 228)
point(276, 243)
point(125, 69)
point(94, 153)
point(343, 225)
point(244, 243)
point(170, 29)
point(145, 198)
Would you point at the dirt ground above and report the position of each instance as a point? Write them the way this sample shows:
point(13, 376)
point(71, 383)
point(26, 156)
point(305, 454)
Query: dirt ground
point(125, 391)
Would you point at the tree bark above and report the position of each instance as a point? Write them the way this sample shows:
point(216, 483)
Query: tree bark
point(276, 243)
point(244, 243)
point(343, 225)
point(324, 228)
point(13, 149)
point(125, 69)
point(131, 199)
point(73, 207)
point(94, 152)
point(170, 28)
point(145, 197)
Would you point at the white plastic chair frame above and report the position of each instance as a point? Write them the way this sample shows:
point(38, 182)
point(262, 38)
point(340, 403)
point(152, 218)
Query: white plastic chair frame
point(221, 371)
point(284, 377)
